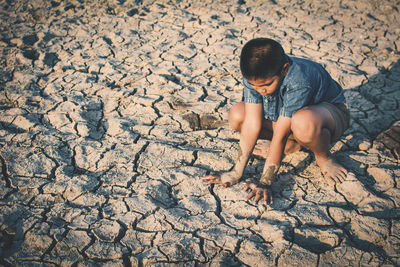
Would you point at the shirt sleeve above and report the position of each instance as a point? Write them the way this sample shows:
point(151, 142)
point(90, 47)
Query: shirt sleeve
point(294, 99)
point(251, 96)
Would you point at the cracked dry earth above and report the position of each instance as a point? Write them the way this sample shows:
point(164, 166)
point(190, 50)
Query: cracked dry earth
point(110, 111)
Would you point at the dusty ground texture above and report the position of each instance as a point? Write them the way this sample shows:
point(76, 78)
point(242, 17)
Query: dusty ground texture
point(110, 111)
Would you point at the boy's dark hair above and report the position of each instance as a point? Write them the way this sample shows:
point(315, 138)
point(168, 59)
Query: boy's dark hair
point(261, 58)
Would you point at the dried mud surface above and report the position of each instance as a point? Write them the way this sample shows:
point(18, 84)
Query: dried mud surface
point(110, 111)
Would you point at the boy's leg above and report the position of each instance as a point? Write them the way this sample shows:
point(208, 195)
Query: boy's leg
point(313, 127)
point(236, 117)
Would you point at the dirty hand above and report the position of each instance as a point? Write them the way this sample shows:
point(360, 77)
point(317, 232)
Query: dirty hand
point(225, 179)
point(259, 192)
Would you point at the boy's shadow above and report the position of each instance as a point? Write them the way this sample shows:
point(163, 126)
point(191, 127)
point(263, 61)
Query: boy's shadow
point(374, 106)
point(373, 135)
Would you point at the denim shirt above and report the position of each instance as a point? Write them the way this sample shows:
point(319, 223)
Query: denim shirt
point(306, 83)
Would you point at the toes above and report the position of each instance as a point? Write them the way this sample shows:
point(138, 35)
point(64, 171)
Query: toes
point(342, 174)
point(333, 172)
point(342, 177)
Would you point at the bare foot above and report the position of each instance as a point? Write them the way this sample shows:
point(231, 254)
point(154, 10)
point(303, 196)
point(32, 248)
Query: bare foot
point(291, 146)
point(332, 170)
point(262, 147)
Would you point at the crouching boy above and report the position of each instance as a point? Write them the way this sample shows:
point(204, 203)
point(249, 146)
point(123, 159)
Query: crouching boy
point(290, 101)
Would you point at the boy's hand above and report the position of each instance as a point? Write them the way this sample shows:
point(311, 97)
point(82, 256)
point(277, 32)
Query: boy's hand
point(225, 179)
point(259, 192)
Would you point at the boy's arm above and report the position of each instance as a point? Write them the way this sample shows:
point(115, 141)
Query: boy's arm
point(249, 133)
point(275, 153)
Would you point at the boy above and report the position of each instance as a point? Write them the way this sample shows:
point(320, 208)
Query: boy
point(290, 101)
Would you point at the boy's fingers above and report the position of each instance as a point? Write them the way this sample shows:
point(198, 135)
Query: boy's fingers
point(227, 184)
point(215, 181)
point(248, 186)
point(212, 180)
point(252, 193)
point(209, 180)
point(259, 194)
point(211, 176)
point(267, 198)
point(206, 179)
point(252, 186)
point(271, 198)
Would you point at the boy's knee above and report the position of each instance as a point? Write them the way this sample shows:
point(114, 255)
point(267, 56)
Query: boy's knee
point(304, 126)
point(236, 116)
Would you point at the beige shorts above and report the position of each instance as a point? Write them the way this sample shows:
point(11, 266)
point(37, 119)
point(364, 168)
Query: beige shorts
point(341, 115)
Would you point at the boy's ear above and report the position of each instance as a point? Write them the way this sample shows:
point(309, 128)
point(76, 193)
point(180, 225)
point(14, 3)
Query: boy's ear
point(285, 69)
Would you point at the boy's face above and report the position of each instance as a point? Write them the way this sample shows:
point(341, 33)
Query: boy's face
point(268, 86)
